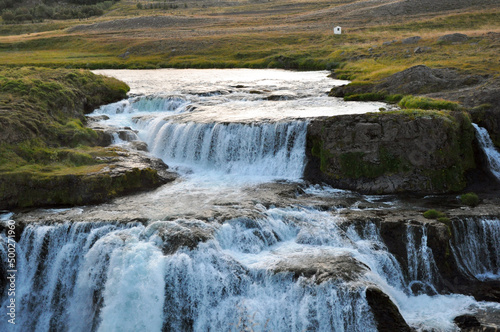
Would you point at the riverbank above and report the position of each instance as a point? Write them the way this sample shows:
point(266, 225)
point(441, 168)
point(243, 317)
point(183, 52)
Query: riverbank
point(48, 155)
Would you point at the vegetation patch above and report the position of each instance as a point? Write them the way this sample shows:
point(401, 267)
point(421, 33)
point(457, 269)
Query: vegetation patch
point(354, 166)
point(470, 199)
point(433, 214)
point(42, 127)
point(413, 102)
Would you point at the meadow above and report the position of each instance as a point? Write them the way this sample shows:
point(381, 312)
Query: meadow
point(294, 35)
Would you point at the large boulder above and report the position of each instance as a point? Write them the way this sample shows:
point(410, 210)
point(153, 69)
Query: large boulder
point(453, 38)
point(392, 152)
point(385, 313)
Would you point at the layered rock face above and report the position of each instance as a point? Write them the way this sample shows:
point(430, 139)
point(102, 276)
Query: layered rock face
point(391, 152)
point(124, 172)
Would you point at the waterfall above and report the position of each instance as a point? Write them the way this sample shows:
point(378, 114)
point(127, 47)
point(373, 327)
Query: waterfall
point(476, 247)
point(235, 276)
point(489, 149)
point(257, 149)
point(146, 104)
point(422, 270)
point(112, 277)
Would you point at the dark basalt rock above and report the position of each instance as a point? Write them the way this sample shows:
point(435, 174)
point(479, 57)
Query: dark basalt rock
point(414, 80)
point(466, 321)
point(391, 152)
point(385, 312)
point(182, 233)
point(124, 172)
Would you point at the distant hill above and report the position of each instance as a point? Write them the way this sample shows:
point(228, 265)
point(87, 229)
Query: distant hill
point(18, 11)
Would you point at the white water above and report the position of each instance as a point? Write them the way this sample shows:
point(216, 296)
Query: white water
point(422, 270)
point(273, 149)
point(106, 277)
point(223, 120)
point(217, 128)
point(477, 247)
point(489, 149)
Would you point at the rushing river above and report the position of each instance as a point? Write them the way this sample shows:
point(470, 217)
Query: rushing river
point(230, 245)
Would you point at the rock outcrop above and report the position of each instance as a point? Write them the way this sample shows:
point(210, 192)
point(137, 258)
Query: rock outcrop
point(414, 80)
point(392, 152)
point(479, 94)
point(322, 268)
point(120, 173)
point(385, 313)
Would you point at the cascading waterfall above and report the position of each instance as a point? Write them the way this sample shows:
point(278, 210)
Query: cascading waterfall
point(489, 149)
point(258, 149)
point(110, 277)
point(476, 246)
point(247, 272)
point(422, 270)
point(106, 277)
point(146, 104)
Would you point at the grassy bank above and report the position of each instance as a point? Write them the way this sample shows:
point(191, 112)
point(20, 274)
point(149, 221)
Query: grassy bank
point(42, 123)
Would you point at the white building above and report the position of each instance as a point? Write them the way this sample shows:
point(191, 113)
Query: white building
point(337, 30)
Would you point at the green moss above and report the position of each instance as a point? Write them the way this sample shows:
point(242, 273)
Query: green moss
point(324, 155)
point(449, 179)
point(69, 186)
point(354, 166)
point(369, 96)
point(47, 147)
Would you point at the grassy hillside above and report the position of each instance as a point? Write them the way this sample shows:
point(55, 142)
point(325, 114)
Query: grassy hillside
point(261, 34)
point(42, 119)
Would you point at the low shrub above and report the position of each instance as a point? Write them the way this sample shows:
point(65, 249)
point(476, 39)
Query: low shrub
point(469, 199)
point(434, 214)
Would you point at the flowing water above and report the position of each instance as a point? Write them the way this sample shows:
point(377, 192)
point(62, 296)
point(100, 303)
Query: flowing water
point(238, 242)
point(492, 154)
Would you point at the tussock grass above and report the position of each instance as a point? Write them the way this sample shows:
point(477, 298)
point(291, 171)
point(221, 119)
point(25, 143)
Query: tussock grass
point(424, 103)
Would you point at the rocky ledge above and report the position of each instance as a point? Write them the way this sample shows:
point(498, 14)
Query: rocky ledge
point(479, 94)
point(119, 172)
point(392, 152)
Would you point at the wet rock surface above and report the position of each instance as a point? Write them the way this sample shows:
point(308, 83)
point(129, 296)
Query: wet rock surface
point(322, 268)
point(385, 312)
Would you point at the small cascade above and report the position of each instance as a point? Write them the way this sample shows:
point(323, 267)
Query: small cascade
point(489, 149)
point(257, 149)
point(423, 273)
point(476, 246)
point(146, 104)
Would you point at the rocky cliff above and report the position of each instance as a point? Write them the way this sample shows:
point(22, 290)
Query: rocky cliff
point(389, 152)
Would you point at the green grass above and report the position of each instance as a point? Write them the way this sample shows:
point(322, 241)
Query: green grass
point(42, 116)
point(424, 103)
point(255, 42)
